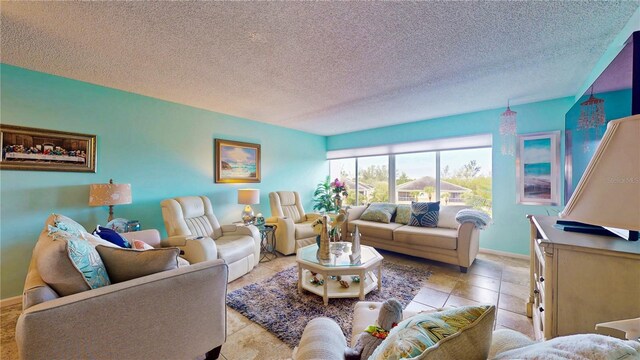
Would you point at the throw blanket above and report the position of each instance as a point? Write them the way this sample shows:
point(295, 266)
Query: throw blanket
point(479, 218)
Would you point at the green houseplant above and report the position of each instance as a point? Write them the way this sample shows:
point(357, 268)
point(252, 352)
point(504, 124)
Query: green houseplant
point(323, 197)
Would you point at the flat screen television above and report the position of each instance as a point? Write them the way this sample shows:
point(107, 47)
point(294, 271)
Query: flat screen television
point(619, 88)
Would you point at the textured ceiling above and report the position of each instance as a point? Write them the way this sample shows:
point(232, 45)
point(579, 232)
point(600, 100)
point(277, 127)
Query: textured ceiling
point(321, 67)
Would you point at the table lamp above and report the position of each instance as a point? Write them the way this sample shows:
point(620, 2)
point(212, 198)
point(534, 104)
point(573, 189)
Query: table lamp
point(608, 193)
point(248, 197)
point(109, 194)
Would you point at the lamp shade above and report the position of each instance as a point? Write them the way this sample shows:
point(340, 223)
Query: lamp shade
point(248, 196)
point(109, 194)
point(608, 193)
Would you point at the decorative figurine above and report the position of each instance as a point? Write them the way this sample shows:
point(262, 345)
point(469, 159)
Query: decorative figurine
point(323, 253)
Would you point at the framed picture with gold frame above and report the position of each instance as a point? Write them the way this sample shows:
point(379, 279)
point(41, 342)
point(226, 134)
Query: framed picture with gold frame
point(236, 162)
point(25, 148)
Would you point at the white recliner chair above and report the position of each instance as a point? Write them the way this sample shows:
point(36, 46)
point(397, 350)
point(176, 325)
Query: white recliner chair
point(294, 225)
point(192, 227)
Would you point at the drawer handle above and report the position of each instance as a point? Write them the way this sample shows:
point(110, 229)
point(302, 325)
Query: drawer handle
point(541, 279)
point(541, 309)
point(536, 291)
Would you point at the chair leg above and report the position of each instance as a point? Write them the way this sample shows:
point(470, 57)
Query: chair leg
point(463, 269)
point(213, 354)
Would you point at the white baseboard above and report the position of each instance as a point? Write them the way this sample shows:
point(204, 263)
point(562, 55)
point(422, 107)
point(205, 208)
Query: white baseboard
point(11, 301)
point(504, 253)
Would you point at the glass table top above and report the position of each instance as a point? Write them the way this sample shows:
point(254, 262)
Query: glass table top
point(340, 255)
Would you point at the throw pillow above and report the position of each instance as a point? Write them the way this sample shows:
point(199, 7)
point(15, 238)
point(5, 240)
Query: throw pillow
point(379, 212)
point(424, 214)
point(459, 333)
point(126, 264)
point(447, 216)
point(112, 236)
point(403, 214)
point(141, 245)
point(68, 263)
point(64, 223)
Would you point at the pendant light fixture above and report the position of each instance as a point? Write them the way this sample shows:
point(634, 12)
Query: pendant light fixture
point(591, 120)
point(508, 131)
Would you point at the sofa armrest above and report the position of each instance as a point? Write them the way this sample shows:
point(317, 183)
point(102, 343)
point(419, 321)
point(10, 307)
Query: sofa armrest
point(322, 339)
point(355, 212)
point(149, 236)
point(468, 244)
point(246, 230)
point(135, 319)
point(194, 250)
point(286, 236)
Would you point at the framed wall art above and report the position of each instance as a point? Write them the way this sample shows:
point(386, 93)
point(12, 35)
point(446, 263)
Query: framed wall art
point(538, 168)
point(25, 148)
point(237, 162)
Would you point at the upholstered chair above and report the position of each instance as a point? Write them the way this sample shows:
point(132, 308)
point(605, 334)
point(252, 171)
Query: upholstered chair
point(192, 227)
point(294, 225)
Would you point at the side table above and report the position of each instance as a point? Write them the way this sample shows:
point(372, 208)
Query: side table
point(268, 242)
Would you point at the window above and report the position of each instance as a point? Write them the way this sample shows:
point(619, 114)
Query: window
point(415, 177)
point(465, 178)
point(454, 177)
point(373, 179)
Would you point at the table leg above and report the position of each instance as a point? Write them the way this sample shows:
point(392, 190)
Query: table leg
point(362, 275)
point(325, 295)
point(380, 277)
point(299, 279)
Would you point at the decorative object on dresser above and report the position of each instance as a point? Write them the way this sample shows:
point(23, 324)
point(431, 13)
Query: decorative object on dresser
point(608, 193)
point(538, 168)
point(237, 162)
point(109, 195)
point(25, 148)
point(579, 280)
point(248, 197)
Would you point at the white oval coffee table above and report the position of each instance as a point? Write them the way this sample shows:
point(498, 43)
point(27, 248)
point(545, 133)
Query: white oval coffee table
point(340, 264)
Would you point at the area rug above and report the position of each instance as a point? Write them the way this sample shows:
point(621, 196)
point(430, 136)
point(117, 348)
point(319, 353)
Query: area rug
point(276, 305)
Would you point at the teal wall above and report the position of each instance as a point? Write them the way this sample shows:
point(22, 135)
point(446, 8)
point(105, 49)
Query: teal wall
point(510, 231)
point(163, 149)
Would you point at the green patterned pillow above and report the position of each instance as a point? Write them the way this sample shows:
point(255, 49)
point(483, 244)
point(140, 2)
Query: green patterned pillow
point(403, 214)
point(423, 332)
point(379, 212)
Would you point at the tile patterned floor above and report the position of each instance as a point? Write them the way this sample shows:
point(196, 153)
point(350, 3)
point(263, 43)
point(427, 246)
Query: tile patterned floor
point(494, 279)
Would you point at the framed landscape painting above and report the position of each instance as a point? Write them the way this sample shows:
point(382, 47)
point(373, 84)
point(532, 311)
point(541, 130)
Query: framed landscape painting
point(538, 168)
point(25, 148)
point(237, 162)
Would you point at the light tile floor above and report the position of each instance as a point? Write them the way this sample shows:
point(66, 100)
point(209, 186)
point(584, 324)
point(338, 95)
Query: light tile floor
point(499, 280)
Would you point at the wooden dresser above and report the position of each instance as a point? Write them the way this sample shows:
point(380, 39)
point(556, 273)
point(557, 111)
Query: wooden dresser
point(579, 280)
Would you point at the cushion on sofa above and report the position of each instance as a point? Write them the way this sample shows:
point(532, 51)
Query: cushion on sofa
point(126, 264)
point(447, 216)
point(374, 229)
point(403, 214)
point(64, 223)
point(581, 346)
point(112, 236)
point(68, 263)
point(304, 230)
point(379, 212)
point(141, 245)
point(442, 238)
point(460, 333)
point(232, 248)
point(424, 214)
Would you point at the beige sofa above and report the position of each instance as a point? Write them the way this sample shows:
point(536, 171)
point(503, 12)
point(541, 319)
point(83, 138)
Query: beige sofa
point(450, 242)
point(175, 314)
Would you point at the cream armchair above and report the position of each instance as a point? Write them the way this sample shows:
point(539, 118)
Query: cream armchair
point(294, 225)
point(192, 227)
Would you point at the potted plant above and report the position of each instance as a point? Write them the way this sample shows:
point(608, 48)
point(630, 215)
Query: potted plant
point(323, 197)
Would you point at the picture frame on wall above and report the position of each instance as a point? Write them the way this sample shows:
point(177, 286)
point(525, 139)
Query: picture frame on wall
point(236, 162)
point(538, 168)
point(25, 148)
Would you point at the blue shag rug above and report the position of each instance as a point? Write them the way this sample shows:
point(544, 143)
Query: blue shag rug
point(276, 305)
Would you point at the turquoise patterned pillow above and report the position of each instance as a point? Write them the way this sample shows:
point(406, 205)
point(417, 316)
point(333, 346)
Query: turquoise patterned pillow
point(88, 261)
point(415, 335)
point(424, 214)
point(67, 224)
point(403, 214)
point(379, 212)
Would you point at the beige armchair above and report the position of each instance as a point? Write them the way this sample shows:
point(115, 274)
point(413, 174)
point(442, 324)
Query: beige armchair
point(294, 225)
point(134, 319)
point(192, 227)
